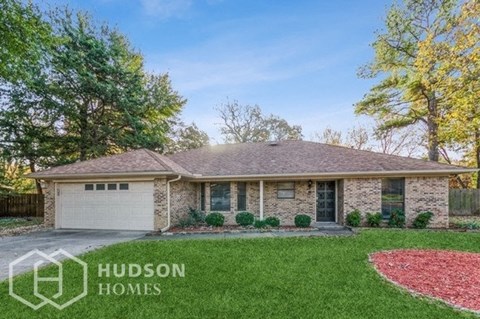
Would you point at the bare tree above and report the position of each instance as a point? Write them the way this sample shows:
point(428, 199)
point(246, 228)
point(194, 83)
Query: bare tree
point(400, 141)
point(246, 123)
point(184, 137)
point(328, 136)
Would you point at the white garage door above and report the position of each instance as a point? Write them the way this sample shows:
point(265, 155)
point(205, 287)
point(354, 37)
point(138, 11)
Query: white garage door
point(108, 205)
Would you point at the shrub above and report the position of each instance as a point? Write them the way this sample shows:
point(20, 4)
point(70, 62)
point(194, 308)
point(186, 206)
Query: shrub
point(260, 223)
point(215, 219)
point(302, 220)
point(244, 218)
point(397, 219)
point(422, 220)
point(197, 215)
point(465, 224)
point(194, 217)
point(354, 218)
point(374, 219)
point(272, 221)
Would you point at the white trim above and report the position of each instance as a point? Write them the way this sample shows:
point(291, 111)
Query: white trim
point(104, 175)
point(107, 179)
point(261, 199)
point(335, 175)
point(58, 217)
point(168, 203)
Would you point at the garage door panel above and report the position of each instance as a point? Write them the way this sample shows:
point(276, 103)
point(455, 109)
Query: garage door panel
point(107, 209)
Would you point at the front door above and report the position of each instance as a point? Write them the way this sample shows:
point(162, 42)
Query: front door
point(326, 201)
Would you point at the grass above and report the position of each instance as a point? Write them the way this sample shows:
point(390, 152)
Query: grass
point(255, 278)
point(14, 222)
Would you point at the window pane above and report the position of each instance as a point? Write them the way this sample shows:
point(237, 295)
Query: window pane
point(220, 196)
point(241, 196)
point(393, 190)
point(286, 190)
point(202, 196)
point(100, 187)
point(123, 186)
point(89, 187)
point(112, 187)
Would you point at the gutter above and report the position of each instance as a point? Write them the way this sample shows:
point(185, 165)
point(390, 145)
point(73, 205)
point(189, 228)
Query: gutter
point(168, 203)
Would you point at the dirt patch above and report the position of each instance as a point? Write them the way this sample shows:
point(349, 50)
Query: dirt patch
point(451, 276)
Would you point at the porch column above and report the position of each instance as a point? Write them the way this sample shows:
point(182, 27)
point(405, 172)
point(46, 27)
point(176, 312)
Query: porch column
point(261, 200)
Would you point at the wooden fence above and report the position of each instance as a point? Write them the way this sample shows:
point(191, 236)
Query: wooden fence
point(464, 202)
point(23, 205)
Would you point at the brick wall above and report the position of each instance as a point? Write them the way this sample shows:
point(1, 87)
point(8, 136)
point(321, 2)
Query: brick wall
point(364, 194)
point(286, 209)
point(160, 203)
point(427, 194)
point(49, 215)
point(183, 195)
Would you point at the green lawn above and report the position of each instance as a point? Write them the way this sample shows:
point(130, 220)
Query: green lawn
point(257, 278)
point(14, 222)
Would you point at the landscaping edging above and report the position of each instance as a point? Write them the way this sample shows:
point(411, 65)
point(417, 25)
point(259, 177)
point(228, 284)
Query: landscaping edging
point(234, 231)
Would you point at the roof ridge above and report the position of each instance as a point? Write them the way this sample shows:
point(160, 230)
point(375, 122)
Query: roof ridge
point(155, 158)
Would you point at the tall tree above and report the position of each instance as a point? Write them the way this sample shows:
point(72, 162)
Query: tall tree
point(184, 137)
point(246, 123)
point(406, 95)
point(457, 78)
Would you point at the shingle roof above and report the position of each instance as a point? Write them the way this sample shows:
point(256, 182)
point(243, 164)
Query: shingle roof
point(296, 157)
point(250, 159)
point(138, 161)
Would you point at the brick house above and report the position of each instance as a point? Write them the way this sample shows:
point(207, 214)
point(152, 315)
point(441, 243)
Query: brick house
point(143, 190)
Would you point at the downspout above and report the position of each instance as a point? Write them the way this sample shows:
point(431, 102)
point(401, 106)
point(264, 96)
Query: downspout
point(168, 203)
point(261, 199)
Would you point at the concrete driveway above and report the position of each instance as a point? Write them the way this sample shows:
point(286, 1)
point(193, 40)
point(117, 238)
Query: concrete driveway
point(73, 241)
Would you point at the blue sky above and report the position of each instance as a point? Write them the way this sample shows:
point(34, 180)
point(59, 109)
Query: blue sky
point(296, 59)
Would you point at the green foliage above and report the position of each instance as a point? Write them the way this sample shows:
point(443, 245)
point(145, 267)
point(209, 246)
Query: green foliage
point(374, 219)
point(244, 218)
point(302, 220)
point(397, 219)
point(260, 224)
point(354, 218)
point(215, 219)
point(272, 221)
point(469, 223)
point(422, 220)
point(193, 218)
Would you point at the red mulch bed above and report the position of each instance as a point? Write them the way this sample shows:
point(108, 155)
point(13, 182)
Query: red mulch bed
point(453, 277)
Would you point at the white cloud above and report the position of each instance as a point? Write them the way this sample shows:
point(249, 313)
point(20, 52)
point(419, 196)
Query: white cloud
point(164, 9)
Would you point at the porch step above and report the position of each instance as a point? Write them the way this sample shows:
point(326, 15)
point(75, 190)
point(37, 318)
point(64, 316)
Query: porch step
point(328, 226)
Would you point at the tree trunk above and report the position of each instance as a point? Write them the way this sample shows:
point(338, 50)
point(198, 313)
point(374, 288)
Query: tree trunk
point(477, 155)
point(37, 182)
point(433, 148)
point(83, 147)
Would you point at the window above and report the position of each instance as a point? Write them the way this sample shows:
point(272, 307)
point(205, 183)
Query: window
point(89, 187)
point(392, 195)
point(202, 197)
point(112, 187)
point(241, 196)
point(286, 190)
point(220, 196)
point(123, 187)
point(100, 187)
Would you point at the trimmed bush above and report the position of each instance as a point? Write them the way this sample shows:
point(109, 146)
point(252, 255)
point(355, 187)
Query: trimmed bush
point(354, 218)
point(215, 219)
point(260, 224)
point(302, 221)
point(244, 218)
point(397, 219)
point(374, 219)
point(272, 221)
point(422, 220)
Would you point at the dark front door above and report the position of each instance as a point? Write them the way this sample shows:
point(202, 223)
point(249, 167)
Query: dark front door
point(326, 201)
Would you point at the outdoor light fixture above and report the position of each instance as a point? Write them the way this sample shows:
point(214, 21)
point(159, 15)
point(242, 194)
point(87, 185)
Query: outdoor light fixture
point(310, 183)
